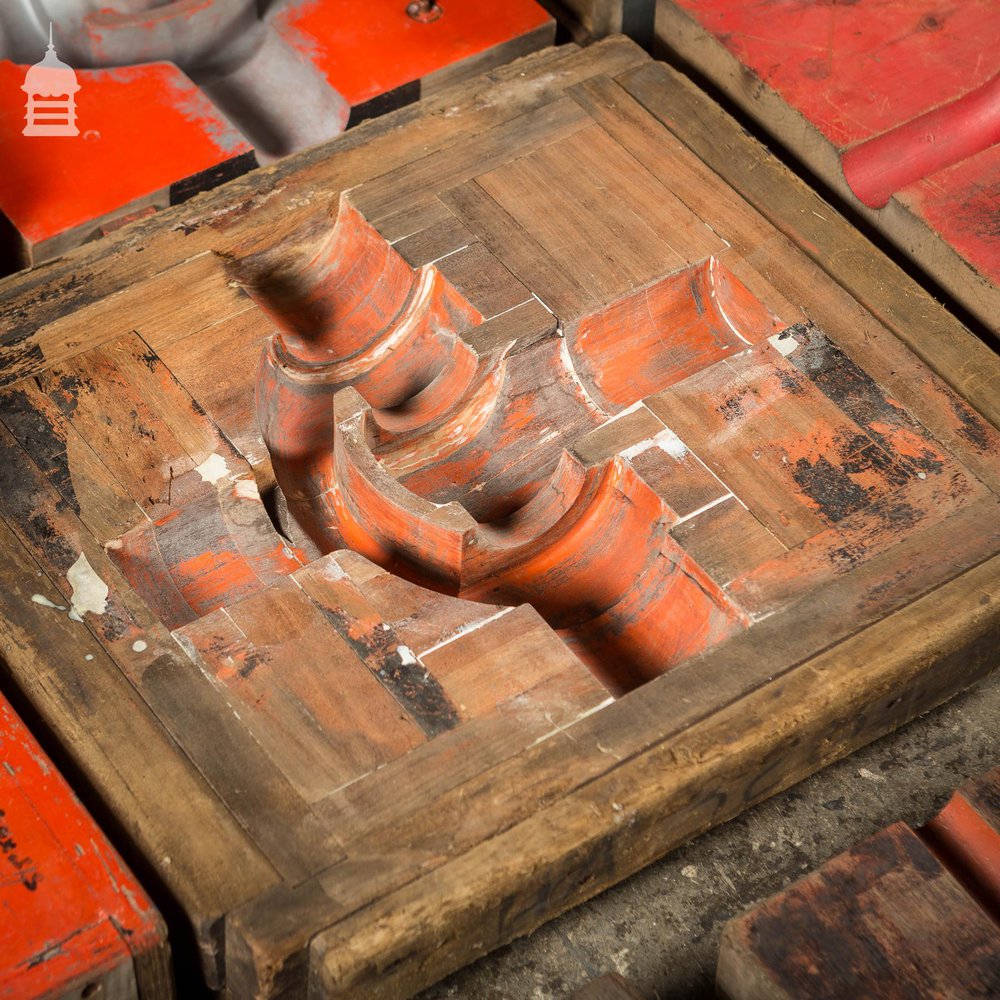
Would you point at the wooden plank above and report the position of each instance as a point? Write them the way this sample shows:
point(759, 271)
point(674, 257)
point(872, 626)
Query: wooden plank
point(560, 857)
point(483, 280)
point(520, 252)
point(146, 653)
point(148, 307)
point(884, 918)
point(276, 654)
point(727, 540)
point(395, 190)
point(443, 235)
point(216, 365)
point(68, 462)
point(475, 668)
point(83, 917)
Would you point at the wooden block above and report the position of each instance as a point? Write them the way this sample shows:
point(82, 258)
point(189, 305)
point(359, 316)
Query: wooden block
point(795, 472)
point(910, 152)
point(504, 657)
point(884, 918)
point(83, 921)
point(965, 837)
point(676, 474)
point(727, 540)
point(483, 280)
point(421, 180)
point(214, 365)
point(68, 462)
point(301, 690)
point(444, 235)
point(518, 249)
point(149, 308)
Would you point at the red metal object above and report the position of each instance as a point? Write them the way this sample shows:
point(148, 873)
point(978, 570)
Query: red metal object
point(71, 914)
point(145, 128)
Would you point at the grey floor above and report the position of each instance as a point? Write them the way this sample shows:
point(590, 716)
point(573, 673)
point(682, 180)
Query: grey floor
point(661, 928)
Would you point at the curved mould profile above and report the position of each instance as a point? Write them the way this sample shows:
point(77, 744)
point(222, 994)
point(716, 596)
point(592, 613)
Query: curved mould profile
point(367, 382)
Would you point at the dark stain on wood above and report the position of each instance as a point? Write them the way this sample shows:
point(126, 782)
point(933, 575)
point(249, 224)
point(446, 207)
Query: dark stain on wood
point(830, 488)
point(410, 683)
point(860, 397)
point(41, 439)
point(18, 361)
point(973, 428)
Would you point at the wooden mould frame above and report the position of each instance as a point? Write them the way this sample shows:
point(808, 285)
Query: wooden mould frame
point(546, 824)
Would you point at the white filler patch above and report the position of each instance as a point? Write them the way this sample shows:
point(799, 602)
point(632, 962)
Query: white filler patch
point(782, 344)
point(90, 592)
point(213, 469)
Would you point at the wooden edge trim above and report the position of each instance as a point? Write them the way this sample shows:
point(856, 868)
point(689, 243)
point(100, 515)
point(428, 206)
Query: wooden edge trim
point(827, 707)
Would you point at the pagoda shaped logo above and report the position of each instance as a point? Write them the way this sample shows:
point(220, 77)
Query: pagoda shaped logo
point(51, 87)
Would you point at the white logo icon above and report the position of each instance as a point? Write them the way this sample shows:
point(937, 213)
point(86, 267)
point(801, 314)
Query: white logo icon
point(51, 87)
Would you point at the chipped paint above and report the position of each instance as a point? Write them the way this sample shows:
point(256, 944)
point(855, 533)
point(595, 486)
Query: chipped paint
point(90, 592)
point(213, 469)
point(666, 440)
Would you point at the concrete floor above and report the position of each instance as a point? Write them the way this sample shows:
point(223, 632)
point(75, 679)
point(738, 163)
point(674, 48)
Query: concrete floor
point(661, 927)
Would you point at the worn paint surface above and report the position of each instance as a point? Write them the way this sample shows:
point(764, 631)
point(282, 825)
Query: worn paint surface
point(904, 913)
point(586, 546)
point(150, 122)
point(152, 127)
point(70, 910)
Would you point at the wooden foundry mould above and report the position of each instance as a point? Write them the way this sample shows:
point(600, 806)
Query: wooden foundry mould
point(463, 515)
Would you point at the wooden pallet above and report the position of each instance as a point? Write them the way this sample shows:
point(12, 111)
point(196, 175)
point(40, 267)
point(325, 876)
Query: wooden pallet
point(894, 105)
point(76, 923)
point(353, 785)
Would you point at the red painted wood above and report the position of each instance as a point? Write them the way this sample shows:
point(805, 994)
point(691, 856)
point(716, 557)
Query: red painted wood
point(143, 128)
point(906, 91)
point(969, 846)
point(70, 910)
point(857, 69)
point(371, 48)
point(960, 202)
